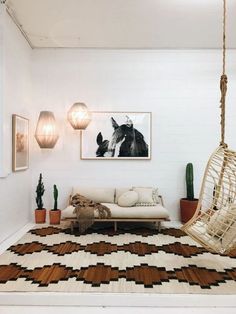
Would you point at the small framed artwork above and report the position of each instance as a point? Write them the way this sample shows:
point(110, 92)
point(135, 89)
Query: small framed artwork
point(117, 135)
point(20, 143)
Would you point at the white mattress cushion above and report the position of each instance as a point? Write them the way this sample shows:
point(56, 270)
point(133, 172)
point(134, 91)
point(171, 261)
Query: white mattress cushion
point(68, 212)
point(138, 212)
point(156, 211)
point(221, 220)
point(199, 229)
point(98, 195)
point(230, 236)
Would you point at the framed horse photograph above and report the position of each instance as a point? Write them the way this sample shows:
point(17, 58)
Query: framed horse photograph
point(117, 135)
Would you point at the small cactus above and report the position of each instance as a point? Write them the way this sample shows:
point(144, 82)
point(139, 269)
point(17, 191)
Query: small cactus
point(39, 192)
point(189, 182)
point(55, 194)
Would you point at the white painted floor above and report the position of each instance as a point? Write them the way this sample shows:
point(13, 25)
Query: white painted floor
point(111, 310)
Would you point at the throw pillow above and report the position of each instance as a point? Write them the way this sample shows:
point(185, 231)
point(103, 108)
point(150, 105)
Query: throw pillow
point(221, 220)
point(128, 199)
point(119, 192)
point(155, 195)
point(145, 196)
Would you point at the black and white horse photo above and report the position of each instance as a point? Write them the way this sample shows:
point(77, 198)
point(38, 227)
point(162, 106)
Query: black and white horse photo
point(126, 141)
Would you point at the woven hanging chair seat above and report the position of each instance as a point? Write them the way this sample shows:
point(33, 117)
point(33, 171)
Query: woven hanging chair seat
point(214, 222)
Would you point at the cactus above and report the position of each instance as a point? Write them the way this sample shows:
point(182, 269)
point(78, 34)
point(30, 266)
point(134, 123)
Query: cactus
point(189, 182)
point(55, 194)
point(39, 192)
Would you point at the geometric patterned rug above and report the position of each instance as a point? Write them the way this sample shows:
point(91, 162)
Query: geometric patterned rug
point(136, 260)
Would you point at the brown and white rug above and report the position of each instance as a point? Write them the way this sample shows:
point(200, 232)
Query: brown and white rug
point(50, 258)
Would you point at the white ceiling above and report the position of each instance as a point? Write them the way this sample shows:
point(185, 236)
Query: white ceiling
point(125, 23)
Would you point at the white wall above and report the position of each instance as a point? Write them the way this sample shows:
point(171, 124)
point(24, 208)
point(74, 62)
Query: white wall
point(181, 90)
point(15, 188)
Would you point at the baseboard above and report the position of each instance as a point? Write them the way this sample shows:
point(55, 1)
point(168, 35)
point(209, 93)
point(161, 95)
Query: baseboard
point(15, 237)
point(172, 223)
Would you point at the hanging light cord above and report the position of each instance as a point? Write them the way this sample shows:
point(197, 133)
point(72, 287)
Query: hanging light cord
point(223, 81)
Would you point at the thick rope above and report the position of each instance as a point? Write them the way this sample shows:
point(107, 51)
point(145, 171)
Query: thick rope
point(224, 35)
point(223, 88)
point(223, 81)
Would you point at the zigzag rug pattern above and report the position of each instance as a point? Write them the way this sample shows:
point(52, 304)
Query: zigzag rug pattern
point(137, 260)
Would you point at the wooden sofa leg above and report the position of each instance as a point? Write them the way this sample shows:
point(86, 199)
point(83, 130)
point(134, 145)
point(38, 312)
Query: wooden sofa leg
point(115, 226)
point(159, 226)
point(72, 227)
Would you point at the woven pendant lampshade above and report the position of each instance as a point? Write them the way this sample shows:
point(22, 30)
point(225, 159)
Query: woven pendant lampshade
point(79, 116)
point(46, 133)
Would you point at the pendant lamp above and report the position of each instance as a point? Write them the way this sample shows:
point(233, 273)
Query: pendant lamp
point(79, 116)
point(46, 131)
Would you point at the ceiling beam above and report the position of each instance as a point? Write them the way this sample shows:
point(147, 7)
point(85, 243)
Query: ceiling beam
point(12, 15)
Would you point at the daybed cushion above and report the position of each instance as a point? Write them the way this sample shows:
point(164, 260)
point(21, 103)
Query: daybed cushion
point(128, 199)
point(221, 220)
point(229, 237)
point(68, 212)
point(98, 195)
point(139, 212)
point(201, 228)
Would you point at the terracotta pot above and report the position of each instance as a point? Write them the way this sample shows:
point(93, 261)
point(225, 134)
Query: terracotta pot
point(40, 216)
point(55, 217)
point(187, 209)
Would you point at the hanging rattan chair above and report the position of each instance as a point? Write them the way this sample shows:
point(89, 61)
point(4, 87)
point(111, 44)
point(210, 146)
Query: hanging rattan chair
point(214, 222)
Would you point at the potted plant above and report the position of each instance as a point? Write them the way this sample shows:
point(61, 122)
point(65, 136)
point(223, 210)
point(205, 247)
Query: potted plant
point(55, 213)
point(40, 212)
point(188, 205)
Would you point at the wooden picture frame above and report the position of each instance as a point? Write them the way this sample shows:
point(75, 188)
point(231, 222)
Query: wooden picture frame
point(20, 143)
point(99, 141)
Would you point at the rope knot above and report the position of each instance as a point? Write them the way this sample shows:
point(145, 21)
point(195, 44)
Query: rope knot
point(223, 145)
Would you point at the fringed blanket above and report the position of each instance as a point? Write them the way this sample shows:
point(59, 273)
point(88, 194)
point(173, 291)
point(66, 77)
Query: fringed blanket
point(85, 211)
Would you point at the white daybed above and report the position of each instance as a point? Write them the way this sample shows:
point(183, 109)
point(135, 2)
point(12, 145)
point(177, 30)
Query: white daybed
point(109, 197)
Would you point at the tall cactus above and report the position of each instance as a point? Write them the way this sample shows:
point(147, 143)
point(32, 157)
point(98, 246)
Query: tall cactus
point(55, 194)
point(39, 192)
point(189, 181)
